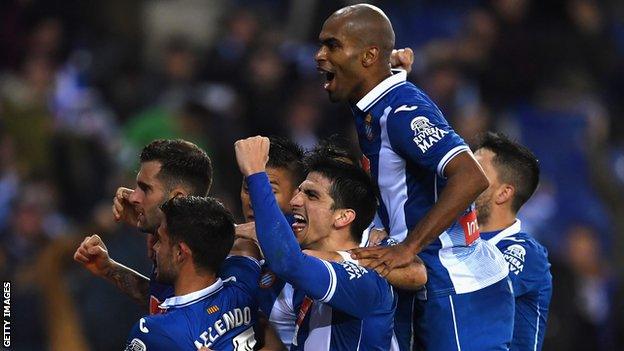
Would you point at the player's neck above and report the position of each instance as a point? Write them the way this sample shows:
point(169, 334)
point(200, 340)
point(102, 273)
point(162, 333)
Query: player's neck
point(190, 281)
point(337, 241)
point(497, 221)
point(374, 79)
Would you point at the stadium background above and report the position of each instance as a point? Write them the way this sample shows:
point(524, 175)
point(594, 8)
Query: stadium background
point(84, 85)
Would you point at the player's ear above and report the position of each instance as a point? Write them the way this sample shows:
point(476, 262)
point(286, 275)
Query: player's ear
point(370, 56)
point(504, 194)
point(344, 217)
point(184, 252)
point(178, 191)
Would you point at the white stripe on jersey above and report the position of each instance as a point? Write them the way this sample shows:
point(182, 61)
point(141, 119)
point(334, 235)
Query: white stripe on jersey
point(392, 180)
point(454, 323)
point(320, 327)
point(283, 315)
point(449, 156)
point(332, 282)
point(537, 323)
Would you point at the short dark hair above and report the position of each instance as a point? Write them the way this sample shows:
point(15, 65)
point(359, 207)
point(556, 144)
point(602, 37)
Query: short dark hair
point(515, 164)
point(204, 224)
point(182, 163)
point(351, 187)
point(286, 154)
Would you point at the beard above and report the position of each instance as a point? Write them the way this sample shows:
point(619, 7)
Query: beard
point(483, 209)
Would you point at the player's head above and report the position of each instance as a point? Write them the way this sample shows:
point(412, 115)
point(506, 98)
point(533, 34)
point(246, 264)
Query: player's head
point(356, 43)
point(193, 230)
point(335, 196)
point(513, 172)
point(169, 168)
point(285, 170)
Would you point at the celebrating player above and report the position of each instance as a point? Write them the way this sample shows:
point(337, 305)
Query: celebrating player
point(428, 180)
point(169, 168)
point(513, 172)
point(345, 305)
point(194, 237)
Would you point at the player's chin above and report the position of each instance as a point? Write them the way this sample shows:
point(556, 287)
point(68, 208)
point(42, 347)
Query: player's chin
point(335, 96)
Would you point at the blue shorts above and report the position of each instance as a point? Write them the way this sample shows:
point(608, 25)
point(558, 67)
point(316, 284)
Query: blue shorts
point(481, 320)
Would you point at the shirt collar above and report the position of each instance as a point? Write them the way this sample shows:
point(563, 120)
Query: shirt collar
point(495, 237)
point(184, 300)
point(397, 78)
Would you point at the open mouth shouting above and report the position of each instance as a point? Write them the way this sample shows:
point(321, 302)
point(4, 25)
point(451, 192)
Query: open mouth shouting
point(299, 224)
point(329, 78)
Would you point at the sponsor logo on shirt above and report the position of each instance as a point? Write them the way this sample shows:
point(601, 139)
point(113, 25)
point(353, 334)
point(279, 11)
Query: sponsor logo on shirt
point(425, 133)
point(136, 345)
point(405, 108)
point(514, 255)
point(354, 270)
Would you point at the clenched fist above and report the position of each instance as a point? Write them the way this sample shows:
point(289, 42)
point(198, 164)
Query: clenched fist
point(92, 253)
point(252, 154)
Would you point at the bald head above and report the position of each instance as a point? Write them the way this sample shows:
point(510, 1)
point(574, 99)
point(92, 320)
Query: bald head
point(370, 25)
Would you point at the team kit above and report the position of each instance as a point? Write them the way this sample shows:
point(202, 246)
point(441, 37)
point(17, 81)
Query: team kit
point(414, 246)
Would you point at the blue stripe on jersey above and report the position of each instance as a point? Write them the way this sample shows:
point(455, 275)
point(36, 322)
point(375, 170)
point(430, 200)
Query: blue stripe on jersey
point(529, 271)
point(408, 143)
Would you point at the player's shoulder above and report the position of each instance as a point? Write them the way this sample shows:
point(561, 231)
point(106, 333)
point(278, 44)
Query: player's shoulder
point(524, 252)
point(350, 270)
point(408, 99)
point(153, 330)
point(525, 241)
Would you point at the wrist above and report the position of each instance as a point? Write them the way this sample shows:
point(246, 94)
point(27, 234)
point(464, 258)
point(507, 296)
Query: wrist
point(108, 267)
point(251, 171)
point(413, 247)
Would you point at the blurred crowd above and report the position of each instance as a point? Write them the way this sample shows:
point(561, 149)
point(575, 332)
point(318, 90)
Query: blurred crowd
point(84, 85)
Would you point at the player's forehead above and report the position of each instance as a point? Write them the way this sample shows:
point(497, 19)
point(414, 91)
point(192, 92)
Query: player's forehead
point(318, 182)
point(148, 172)
point(279, 176)
point(335, 27)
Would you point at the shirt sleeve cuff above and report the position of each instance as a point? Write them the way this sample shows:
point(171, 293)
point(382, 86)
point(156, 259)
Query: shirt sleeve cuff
point(448, 157)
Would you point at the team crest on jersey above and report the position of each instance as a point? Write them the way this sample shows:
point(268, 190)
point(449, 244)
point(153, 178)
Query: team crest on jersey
point(267, 279)
point(514, 255)
point(136, 345)
point(354, 270)
point(368, 127)
point(425, 133)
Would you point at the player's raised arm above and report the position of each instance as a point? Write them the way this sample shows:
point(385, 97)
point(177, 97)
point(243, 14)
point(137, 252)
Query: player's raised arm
point(93, 255)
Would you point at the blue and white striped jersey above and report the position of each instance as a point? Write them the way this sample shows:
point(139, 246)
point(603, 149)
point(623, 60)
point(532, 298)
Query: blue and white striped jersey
point(345, 307)
point(220, 316)
point(529, 271)
point(408, 144)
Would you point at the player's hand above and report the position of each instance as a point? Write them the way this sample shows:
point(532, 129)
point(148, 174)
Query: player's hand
point(92, 253)
point(383, 259)
point(246, 231)
point(402, 58)
point(252, 154)
point(123, 210)
point(376, 236)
